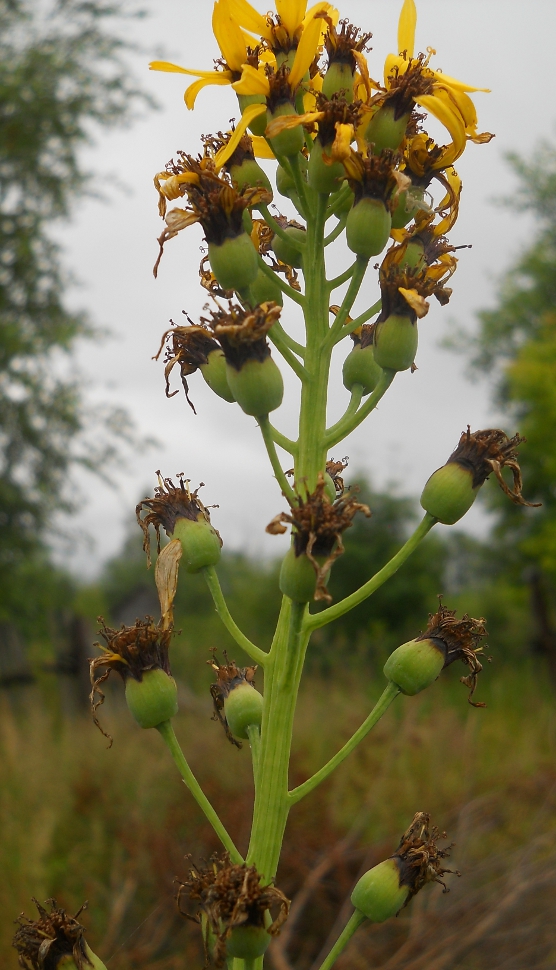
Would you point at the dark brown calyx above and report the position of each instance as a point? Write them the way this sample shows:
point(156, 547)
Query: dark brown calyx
point(419, 858)
point(317, 527)
point(131, 651)
point(483, 452)
point(43, 942)
point(458, 640)
point(187, 347)
point(242, 333)
point(170, 503)
point(229, 896)
point(374, 176)
point(341, 44)
point(228, 676)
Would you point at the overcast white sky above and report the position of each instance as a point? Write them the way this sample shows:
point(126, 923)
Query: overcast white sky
point(505, 45)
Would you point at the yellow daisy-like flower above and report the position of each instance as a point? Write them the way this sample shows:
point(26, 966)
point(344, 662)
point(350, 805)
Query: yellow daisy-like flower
point(283, 32)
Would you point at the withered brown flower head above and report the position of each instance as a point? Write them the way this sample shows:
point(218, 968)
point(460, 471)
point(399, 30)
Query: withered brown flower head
point(242, 333)
point(41, 943)
point(189, 347)
point(364, 335)
point(244, 150)
point(131, 651)
point(170, 503)
point(229, 676)
point(415, 82)
point(419, 858)
point(340, 44)
point(280, 91)
point(483, 452)
point(458, 640)
point(374, 176)
point(335, 469)
point(405, 290)
point(317, 529)
point(337, 111)
point(229, 896)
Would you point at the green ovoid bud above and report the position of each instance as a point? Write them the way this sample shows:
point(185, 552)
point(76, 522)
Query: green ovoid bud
point(385, 130)
point(258, 387)
point(284, 181)
point(395, 342)
point(378, 894)
point(290, 141)
point(265, 290)
point(247, 942)
point(259, 123)
point(298, 578)
point(153, 699)
point(322, 177)
point(415, 665)
point(406, 204)
point(250, 173)
point(243, 708)
point(449, 493)
point(368, 227)
point(360, 367)
point(200, 542)
point(214, 373)
point(338, 78)
point(234, 262)
point(288, 252)
point(413, 256)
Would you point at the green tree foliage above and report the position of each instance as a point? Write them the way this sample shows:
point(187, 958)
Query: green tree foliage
point(62, 72)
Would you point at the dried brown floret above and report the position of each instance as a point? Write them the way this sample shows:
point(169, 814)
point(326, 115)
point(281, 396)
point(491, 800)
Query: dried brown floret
point(419, 858)
point(317, 529)
point(336, 111)
point(334, 469)
point(189, 347)
point(404, 291)
point(169, 504)
point(484, 452)
point(243, 151)
point(375, 176)
point(242, 333)
point(131, 651)
point(414, 82)
point(229, 896)
point(229, 676)
point(43, 942)
point(341, 44)
point(458, 640)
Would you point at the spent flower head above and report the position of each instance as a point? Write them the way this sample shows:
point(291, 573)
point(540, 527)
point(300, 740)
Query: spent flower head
point(42, 943)
point(458, 640)
point(419, 858)
point(169, 504)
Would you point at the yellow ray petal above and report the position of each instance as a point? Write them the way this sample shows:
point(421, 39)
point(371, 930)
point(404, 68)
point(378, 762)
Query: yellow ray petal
point(415, 301)
point(406, 28)
point(176, 69)
point(251, 82)
point(228, 37)
point(192, 91)
point(261, 148)
point(291, 13)
point(285, 122)
point(251, 111)
point(246, 16)
point(452, 82)
point(447, 116)
point(305, 52)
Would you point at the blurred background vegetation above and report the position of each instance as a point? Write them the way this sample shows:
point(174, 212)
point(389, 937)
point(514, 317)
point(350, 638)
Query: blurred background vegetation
point(114, 827)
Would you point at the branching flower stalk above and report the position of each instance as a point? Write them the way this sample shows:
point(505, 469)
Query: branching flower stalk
point(339, 146)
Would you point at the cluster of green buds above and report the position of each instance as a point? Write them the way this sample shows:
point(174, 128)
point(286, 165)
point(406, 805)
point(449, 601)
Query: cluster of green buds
point(237, 704)
point(233, 909)
point(417, 664)
point(318, 521)
point(386, 888)
point(54, 941)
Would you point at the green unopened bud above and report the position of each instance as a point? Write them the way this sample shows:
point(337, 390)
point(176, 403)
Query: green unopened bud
point(247, 942)
point(385, 130)
point(388, 887)
point(200, 542)
point(250, 173)
point(360, 367)
point(338, 78)
point(214, 373)
point(378, 894)
point(259, 123)
point(298, 577)
point(395, 342)
point(324, 177)
point(415, 665)
point(287, 251)
point(368, 227)
point(290, 141)
point(153, 699)
point(234, 262)
point(243, 708)
point(265, 290)
point(284, 181)
point(258, 387)
point(54, 941)
point(449, 493)
point(182, 515)
point(406, 204)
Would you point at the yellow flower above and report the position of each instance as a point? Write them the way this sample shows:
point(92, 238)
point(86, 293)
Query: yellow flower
point(283, 32)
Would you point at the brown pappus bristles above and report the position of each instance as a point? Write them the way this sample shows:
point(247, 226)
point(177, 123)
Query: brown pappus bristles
point(170, 503)
point(483, 452)
point(229, 896)
point(189, 347)
point(317, 529)
point(243, 151)
point(131, 651)
point(242, 333)
point(374, 176)
point(404, 88)
point(458, 640)
point(229, 676)
point(340, 44)
point(419, 858)
point(42, 943)
point(336, 111)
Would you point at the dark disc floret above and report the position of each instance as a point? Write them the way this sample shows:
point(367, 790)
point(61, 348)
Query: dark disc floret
point(43, 942)
point(484, 452)
point(374, 176)
point(342, 45)
point(242, 332)
point(458, 640)
point(419, 857)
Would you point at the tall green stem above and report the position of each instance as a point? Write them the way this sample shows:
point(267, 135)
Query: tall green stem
point(167, 733)
point(212, 581)
point(349, 929)
point(353, 417)
point(264, 425)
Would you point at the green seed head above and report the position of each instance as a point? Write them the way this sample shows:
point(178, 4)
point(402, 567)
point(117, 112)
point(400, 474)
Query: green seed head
point(287, 251)
point(298, 577)
point(284, 181)
point(243, 708)
point(258, 387)
point(250, 173)
point(201, 543)
point(368, 227)
point(360, 367)
point(378, 894)
point(385, 130)
point(395, 342)
point(247, 942)
point(234, 262)
point(322, 177)
point(182, 515)
point(406, 204)
point(214, 373)
point(449, 493)
point(415, 665)
point(153, 699)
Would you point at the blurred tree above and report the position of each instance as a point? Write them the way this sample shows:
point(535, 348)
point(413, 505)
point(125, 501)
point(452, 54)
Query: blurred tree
point(517, 342)
point(61, 73)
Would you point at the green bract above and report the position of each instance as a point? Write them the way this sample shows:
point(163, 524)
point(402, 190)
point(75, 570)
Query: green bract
point(259, 123)
point(153, 699)
point(247, 942)
point(290, 141)
point(338, 79)
point(234, 262)
point(449, 493)
point(406, 204)
point(395, 342)
point(250, 173)
point(378, 894)
point(368, 227)
point(415, 665)
point(258, 387)
point(243, 708)
point(263, 289)
point(284, 181)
